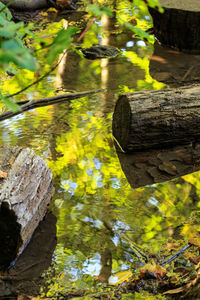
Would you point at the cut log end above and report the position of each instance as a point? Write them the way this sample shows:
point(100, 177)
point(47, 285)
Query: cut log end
point(122, 122)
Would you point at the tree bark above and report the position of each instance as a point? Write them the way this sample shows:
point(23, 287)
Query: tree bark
point(27, 105)
point(27, 4)
point(155, 119)
point(31, 5)
point(179, 25)
point(25, 191)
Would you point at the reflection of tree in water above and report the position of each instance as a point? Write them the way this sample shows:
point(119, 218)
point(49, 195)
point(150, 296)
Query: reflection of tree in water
point(101, 204)
point(94, 203)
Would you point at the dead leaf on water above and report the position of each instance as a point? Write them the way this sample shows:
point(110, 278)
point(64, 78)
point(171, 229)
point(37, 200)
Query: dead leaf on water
point(157, 270)
point(120, 277)
point(195, 240)
point(3, 174)
point(175, 291)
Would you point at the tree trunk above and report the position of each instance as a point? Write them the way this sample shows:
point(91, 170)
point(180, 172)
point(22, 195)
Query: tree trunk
point(25, 191)
point(179, 25)
point(155, 119)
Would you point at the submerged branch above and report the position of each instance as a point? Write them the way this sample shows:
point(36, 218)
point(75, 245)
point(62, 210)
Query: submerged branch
point(177, 254)
point(47, 101)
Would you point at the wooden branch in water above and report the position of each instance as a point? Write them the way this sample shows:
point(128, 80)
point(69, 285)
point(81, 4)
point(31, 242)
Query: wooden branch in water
point(27, 105)
point(176, 255)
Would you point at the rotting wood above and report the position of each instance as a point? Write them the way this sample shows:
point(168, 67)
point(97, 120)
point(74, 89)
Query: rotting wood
point(24, 196)
point(157, 119)
point(179, 25)
point(27, 105)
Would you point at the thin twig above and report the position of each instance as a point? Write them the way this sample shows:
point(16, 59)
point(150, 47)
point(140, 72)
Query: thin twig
point(136, 250)
point(47, 101)
point(86, 29)
point(177, 254)
point(38, 80)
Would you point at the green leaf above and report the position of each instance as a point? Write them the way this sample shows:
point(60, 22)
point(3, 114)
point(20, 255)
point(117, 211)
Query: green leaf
point(99, 11)
point(61, 42)
point(11, 105)
point(155, 3)
point(5, 13)
point(10, 29)
point(13, 51)
point(139, 32)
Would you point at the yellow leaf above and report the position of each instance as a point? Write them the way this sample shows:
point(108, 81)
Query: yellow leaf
point(52, 9)
point(120, 277)
point(175, 291)
point(3, 174)
point(195, 240)
point(157, 270)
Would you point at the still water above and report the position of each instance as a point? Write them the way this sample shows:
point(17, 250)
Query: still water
point(101, 219)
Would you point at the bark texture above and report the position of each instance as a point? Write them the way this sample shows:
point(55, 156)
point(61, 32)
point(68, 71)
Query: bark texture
point(25, 191)
point(179, 25)
point(27, 4)
point(155, 119)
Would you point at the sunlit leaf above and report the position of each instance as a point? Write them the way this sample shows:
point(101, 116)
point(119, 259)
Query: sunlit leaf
point(3, 174)
point(13, 106)
point(120, 277)
point(99, 11)
point(195, 240)
point(155, 4)
point(61, 41)
point(157, 270)
point(174, 291)
point(139, 32)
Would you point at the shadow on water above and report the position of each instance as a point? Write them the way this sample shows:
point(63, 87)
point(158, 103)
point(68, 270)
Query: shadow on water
point(100, 218)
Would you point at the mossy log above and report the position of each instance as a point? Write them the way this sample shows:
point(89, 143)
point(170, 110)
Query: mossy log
point(25, 191)
point(157, 119)
point(179, 25)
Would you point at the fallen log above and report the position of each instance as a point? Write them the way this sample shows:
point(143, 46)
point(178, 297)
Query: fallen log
point(25, 191)
point(155, 119)
point(31, 5)
point(26, 4)
point(179, 25)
